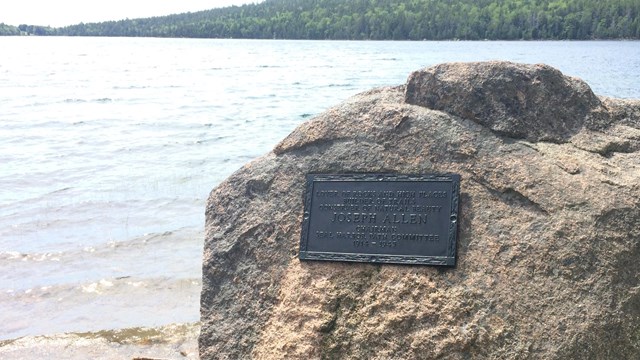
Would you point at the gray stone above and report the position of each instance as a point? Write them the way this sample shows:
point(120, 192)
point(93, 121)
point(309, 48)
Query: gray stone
point(548, 234)
point(534, 102)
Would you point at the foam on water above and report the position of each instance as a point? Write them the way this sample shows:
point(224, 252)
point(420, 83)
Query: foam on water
point(120, 302)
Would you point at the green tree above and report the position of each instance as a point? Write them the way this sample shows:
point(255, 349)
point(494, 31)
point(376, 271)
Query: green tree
point(8, 30)
point(385, 19)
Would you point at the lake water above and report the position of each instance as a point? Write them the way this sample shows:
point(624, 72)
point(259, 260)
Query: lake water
point(110, 146)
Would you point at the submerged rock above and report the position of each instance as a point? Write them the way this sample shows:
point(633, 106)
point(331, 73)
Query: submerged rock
point(548, 231)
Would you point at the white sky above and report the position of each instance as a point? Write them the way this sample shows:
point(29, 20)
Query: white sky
point(70, 12)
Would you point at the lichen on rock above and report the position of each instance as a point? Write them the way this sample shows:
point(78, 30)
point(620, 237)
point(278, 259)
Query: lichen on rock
point(549, 228)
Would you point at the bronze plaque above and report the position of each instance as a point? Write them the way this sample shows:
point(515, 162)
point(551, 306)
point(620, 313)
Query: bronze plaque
point(381, 218)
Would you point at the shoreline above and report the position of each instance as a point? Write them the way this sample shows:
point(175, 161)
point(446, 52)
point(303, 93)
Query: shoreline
point(173, 341)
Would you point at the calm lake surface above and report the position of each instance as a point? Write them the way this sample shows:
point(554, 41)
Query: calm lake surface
point(110, 146)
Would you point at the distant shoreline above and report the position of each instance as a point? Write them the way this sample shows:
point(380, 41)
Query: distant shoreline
point(376, 20)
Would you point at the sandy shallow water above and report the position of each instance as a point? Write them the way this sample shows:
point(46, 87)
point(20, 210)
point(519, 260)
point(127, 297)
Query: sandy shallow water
point(176, 341)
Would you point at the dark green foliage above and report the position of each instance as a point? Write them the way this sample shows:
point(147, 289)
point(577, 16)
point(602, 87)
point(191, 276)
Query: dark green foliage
point(8, 30)
point(390, 19)
point(36, 30)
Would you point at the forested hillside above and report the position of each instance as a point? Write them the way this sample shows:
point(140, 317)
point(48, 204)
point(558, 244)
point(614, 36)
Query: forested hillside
point(389, 19)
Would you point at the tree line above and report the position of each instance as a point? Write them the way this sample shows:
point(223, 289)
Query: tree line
point(8, 30)
point(385, 20)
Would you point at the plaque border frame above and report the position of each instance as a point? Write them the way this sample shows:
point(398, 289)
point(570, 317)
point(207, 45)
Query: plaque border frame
point(447, 260)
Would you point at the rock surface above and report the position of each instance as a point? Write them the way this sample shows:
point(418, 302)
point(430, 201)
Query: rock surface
point(549, 228)
point(533, 102)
